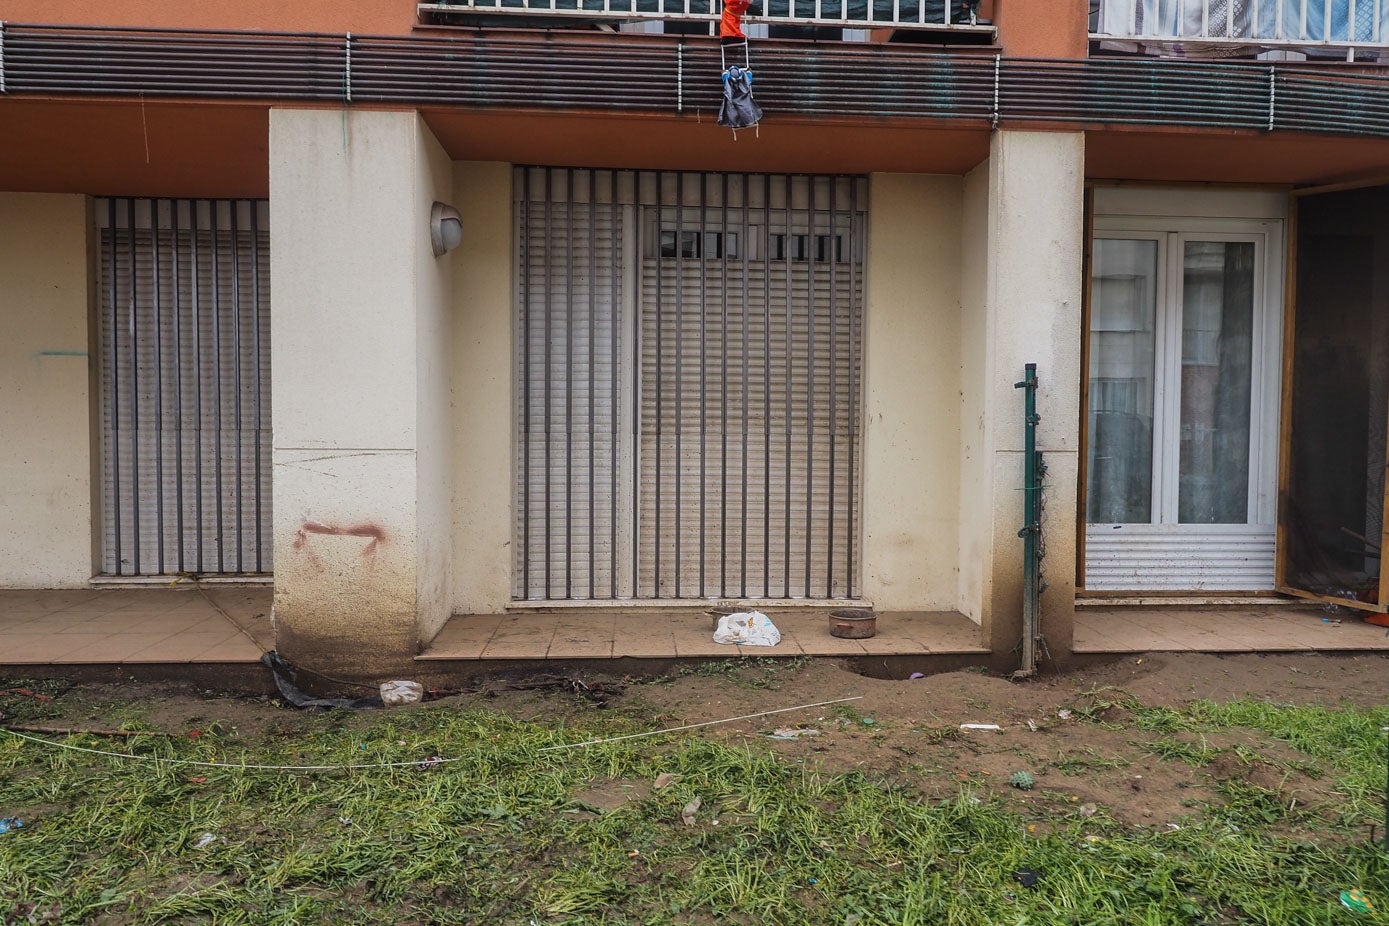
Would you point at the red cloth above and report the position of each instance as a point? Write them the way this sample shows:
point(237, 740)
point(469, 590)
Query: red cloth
point(731, 24)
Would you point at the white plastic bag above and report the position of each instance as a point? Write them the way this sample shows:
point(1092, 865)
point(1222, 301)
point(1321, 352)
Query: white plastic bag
point(401, 692)
point(750, 629)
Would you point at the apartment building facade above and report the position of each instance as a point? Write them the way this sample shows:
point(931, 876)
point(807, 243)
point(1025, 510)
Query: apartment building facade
point(420, 310)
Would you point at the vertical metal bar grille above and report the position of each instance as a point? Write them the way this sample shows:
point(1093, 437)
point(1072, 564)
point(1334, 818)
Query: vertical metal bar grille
point(184, 364)
point(747, 300)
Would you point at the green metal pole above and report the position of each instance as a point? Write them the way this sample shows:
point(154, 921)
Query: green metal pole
point(1031, 523)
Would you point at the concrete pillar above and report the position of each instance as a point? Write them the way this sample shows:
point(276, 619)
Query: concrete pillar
point(482, 369)
point(360, 360)
point(45, 407)
point(911, 375)
point(1023, 244)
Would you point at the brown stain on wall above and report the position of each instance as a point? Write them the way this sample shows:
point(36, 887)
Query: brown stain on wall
point(374, 534)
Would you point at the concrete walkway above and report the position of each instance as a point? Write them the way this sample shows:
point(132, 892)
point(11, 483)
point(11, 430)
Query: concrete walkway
point(1253, 629)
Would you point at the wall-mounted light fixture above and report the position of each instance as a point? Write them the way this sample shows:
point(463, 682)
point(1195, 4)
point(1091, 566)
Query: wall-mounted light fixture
point(445, 229)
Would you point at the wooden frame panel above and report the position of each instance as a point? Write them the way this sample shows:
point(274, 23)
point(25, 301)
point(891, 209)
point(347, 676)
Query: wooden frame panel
point(1082, 467)
point(1285, 423)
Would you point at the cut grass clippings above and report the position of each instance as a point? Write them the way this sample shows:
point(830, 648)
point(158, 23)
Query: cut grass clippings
point(499, 836)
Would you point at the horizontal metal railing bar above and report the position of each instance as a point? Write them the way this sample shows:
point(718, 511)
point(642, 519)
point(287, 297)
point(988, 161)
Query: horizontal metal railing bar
point(626, 10)
point(566, 70)
point(854, 51)
point(823, 21)
point(144, 66)
point(1312, 112)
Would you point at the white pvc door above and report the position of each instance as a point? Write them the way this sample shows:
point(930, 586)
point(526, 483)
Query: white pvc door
point(1182, 408)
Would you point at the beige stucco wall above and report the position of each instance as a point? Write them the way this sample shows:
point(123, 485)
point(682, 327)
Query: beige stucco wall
point(911, 459)
point(1023, 305)
point(45, 418)
point(482, 406)
point(976, 358)
point(434, 311)
point(360, 387)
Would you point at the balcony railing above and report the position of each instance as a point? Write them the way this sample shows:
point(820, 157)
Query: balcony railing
point(952, 15)
point(1197, 26)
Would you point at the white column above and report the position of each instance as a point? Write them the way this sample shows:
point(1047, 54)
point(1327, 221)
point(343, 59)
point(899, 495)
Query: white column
point(1023, 245)
point(360, 361)
point(45, 411)
point(482, 377)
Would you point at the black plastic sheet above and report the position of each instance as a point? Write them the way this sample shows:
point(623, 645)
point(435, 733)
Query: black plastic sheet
point(286, 679)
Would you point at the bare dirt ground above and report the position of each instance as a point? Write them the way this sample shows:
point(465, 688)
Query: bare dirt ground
point(1073, 733)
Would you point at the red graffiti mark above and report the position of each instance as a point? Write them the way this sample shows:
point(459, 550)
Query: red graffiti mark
point(376, 534)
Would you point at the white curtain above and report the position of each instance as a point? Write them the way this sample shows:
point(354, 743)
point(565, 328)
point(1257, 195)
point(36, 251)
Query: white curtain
point(1286, 20)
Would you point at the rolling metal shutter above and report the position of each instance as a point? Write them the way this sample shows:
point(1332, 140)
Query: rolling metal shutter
point(569, 542)
point(688, 421)
point(184, 331)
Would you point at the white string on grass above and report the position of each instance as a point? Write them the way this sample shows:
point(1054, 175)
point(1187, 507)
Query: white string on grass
point(416, 763)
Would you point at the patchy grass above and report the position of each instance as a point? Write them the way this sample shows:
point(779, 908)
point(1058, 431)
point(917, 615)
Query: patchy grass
point(755, 672)
point(510, 833)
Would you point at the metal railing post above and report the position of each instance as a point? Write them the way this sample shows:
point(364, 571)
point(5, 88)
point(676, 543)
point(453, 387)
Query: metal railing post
point(1034, 468)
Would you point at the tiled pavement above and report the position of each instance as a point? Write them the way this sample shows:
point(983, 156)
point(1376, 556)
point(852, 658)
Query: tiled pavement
point(134, 626)
point(596, 634)
point(185, 625)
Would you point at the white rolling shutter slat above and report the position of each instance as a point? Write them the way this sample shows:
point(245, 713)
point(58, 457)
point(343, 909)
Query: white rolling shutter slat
point(1141, 557)
point(184, 328)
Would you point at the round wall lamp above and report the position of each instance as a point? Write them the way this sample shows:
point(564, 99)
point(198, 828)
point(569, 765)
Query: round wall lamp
point(445, 229)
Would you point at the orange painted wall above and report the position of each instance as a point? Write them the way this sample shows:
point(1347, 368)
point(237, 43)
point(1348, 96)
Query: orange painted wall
point(372, 17)
point(1033, 28)
point(1043, 28)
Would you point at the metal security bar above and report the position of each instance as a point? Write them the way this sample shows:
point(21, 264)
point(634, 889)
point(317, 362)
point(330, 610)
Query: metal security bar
point(960, 15)
point(572, 233)
point(184, 327)
point(688, 385)
point(1273, 23)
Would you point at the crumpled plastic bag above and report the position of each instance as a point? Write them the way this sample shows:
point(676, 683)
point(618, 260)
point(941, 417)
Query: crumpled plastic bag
point(396, 693)
point(752, 628)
